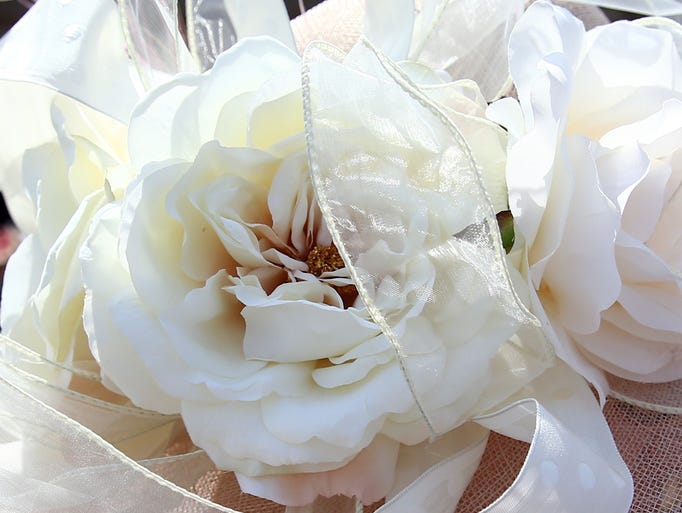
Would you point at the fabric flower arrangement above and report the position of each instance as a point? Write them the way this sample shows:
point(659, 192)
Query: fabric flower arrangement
point(300, 254)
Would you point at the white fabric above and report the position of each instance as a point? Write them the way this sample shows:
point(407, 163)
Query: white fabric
point(140, 433)
point(591, 178)
point(444, 269)
point(81, 54)
point(76, 39)
point(440, 486)
point(648, 7)
point(259, 18)
point(386, 18)
point(572, 465)
point(210, 30)
point(153, 39)
point(468, 39)
point(48, 461)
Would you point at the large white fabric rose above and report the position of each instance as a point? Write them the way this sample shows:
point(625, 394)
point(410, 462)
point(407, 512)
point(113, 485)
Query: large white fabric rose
point(214, 287)
point(68, 179)
point(594, 174)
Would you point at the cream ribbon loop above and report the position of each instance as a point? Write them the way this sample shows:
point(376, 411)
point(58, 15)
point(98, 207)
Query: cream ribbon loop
point(572, 465)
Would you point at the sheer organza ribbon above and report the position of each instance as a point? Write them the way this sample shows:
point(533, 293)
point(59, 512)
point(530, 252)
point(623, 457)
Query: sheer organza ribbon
point(50, 462)
point(370, 129)
point(406, 206)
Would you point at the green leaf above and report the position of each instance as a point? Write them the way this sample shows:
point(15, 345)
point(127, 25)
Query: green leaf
point(505, 221)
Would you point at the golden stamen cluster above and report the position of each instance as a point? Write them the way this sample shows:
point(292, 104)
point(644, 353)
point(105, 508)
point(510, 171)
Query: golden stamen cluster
point(324, 259)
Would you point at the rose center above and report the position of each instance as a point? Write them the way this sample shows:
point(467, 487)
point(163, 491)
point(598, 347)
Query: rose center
point(326, 259)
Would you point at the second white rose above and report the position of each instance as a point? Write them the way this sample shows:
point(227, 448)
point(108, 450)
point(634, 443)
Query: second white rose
point(594, 177)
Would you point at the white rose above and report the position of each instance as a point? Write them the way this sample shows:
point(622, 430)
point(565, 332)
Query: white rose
point(214, 289)
point(42, 296)
point(594, 174)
